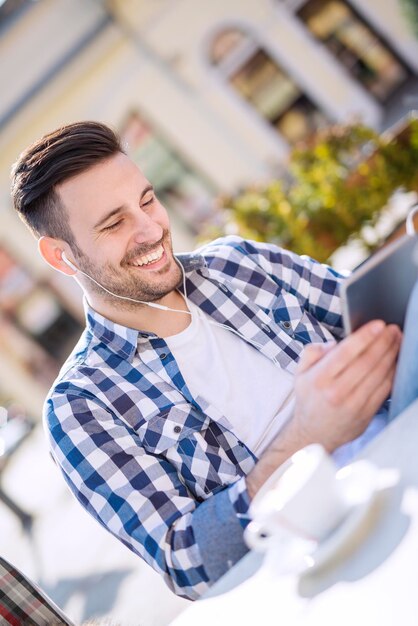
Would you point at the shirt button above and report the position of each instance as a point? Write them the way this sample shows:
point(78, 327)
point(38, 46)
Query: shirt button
point(177, 429)
point(144, 336)
point(164, 355)
point(286, 325)
point(224, 288)
point(266, 328)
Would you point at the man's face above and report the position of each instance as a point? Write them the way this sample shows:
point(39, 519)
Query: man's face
point(122, 231)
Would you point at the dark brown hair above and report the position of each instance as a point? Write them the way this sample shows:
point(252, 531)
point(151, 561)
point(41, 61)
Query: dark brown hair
point(51, 160)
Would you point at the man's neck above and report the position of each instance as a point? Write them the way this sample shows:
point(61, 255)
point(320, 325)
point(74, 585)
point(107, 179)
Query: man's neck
point(146, 318)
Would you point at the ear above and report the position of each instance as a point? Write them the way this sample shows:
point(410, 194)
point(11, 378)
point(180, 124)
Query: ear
point(51, 251)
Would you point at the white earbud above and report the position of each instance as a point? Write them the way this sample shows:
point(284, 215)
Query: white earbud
point(68, 262)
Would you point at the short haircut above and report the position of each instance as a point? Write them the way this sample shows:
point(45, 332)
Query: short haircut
point(53, 159)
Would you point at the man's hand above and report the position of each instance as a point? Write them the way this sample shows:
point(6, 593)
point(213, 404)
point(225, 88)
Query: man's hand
point(340, 387)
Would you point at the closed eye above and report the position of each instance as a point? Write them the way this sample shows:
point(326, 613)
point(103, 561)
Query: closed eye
point(148, 201)
point(114, 225)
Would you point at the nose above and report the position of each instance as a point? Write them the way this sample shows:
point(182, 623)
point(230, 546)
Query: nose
point(146, 229)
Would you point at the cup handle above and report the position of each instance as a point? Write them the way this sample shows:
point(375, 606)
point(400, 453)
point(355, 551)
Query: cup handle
point(257, 536)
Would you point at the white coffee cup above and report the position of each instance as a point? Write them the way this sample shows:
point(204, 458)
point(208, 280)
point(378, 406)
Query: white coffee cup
point(301, 499)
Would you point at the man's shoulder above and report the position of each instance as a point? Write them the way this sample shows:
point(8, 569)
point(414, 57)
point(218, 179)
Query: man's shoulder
point(235, 247)
point(229, 243)
point(74, 371)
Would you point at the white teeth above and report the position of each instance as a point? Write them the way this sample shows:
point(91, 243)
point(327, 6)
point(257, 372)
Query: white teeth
point(149, 258)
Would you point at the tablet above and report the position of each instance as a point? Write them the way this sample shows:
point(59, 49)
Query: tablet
point(381, 286)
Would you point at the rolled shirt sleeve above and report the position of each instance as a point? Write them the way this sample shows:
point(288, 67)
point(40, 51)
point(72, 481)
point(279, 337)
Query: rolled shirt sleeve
point(141, 499)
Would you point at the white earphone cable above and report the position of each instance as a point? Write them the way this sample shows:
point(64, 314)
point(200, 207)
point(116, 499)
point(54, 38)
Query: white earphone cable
point(115, 295)
point(166, 308)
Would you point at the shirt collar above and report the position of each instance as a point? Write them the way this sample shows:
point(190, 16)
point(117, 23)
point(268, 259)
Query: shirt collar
point(121, 339)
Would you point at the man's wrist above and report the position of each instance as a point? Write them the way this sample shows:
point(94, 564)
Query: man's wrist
point(290, 439)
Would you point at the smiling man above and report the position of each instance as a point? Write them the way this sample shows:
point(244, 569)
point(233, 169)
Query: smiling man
point(115, 213)
point(191, 383)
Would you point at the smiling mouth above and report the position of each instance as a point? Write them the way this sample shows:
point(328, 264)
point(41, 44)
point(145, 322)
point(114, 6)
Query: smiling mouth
point(148, 259)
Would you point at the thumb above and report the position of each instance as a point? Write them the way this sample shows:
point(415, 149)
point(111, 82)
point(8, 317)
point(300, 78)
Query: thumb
point(313, 353)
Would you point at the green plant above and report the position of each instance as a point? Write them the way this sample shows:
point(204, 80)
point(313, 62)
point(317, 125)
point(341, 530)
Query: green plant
point(339, 182)
point(411, 12)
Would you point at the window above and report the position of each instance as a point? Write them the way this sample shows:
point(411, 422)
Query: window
point(260, 80)
point(177, 186)
point(355, 45)
point(32, 315)
point(41, 316)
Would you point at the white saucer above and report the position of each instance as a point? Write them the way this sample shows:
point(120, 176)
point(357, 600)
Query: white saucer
point(360, 483)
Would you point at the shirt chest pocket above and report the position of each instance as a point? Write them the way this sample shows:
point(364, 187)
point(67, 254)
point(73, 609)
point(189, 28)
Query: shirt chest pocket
point(296, 321)
point(194, 445)
point(170, 428)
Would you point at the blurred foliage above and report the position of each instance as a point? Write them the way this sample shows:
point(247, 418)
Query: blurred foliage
point(339, 182)
point(411, 11)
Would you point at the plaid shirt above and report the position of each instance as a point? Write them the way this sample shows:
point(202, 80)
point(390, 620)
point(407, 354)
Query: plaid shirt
point(163, 470)
point(22, 602)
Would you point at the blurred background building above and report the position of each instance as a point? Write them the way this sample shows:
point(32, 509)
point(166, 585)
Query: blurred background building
point(208, 96)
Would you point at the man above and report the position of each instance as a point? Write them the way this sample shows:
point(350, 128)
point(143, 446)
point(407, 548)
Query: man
point(169, 416)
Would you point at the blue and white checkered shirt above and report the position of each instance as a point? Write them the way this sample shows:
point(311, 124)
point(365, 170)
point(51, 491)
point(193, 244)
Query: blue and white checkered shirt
point(160, 469)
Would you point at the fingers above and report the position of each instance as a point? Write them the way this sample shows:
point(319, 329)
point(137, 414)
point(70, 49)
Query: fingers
point(360, 376)
point(340, 387)
point(380, 394)
point(381, 355)
point(351, 348)
point(375, 398)
point(374, 389)
point(312, 353)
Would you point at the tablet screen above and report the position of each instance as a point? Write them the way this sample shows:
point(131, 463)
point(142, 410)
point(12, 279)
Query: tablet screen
point(381, 286)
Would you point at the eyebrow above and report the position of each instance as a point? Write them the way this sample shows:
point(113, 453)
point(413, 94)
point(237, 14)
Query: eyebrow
point(114, 212)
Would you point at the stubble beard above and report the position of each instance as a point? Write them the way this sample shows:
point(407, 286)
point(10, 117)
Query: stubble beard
point(123, 282)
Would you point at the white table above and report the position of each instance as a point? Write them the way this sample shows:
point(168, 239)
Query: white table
point(373, 581)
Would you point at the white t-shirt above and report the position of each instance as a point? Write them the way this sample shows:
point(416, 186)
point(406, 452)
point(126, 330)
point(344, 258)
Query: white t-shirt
point(253, 393)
